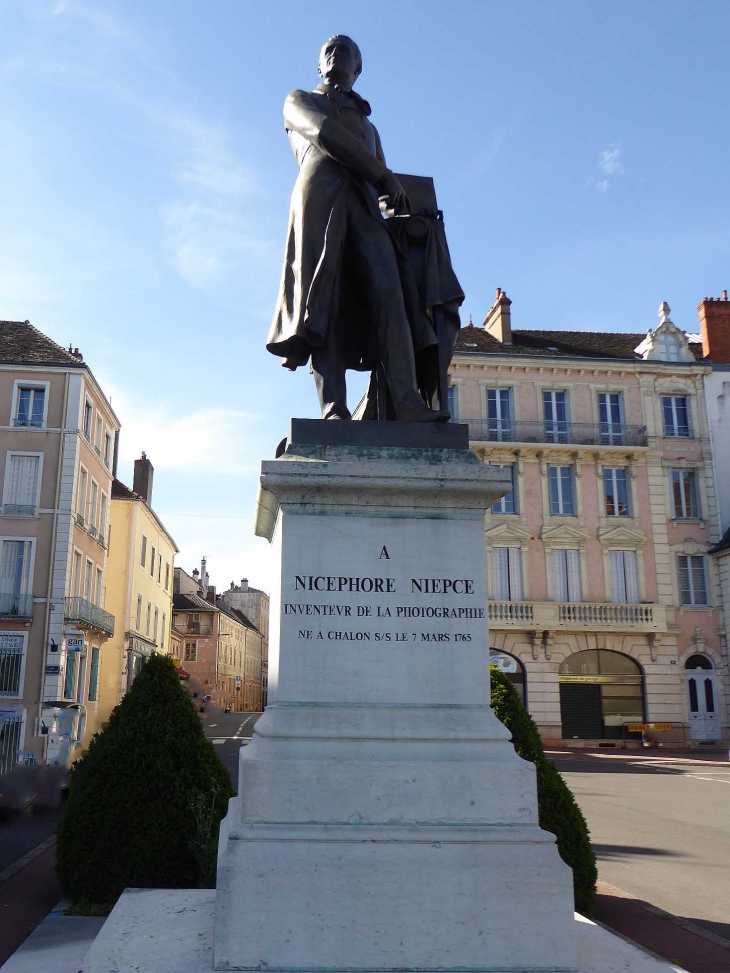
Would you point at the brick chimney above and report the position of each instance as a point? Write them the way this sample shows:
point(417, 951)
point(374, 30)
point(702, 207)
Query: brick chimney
point(497, 321)
point(143, 473)
point(714, 315)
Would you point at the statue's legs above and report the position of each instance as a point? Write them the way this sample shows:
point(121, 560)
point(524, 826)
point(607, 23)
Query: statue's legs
point(373, 268)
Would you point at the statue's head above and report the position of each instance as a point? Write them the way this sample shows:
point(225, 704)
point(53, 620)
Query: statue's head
point(340, 61)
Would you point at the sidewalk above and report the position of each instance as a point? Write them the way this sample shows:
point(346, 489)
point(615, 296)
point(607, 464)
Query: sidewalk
point(28, 891)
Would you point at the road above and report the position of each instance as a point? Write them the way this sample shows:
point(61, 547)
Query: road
point(660, 825)
point(228, 732)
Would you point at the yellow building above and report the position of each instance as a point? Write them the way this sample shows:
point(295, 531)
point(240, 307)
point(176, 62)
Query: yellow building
point(139, 581)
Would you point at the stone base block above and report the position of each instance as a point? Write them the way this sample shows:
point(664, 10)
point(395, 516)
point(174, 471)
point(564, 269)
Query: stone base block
point(171, 931)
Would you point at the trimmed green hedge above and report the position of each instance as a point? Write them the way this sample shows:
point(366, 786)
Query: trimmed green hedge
point(558, 811)
point(146, 799)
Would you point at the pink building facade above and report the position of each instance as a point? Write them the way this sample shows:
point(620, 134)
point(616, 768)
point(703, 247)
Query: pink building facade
point(603, 603)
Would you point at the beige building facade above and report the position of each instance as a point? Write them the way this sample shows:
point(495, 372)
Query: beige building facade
point(57, 443)
point(603, 600)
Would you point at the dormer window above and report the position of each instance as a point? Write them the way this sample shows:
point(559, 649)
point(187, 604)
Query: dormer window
point(668, 348)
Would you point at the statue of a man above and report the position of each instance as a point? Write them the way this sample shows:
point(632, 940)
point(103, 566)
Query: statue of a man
point(341, 301)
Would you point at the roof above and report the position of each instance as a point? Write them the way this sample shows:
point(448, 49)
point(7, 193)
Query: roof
point(723, 545)
point(236, 614)
point(560, 344)
point(192, 603)
point(21, 343)
point(122, 492)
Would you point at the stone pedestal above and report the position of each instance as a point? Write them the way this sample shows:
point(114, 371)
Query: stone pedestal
point(384, 821)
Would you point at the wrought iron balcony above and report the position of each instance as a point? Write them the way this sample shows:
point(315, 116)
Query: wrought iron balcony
point(15, 606)
point(83, 612)
point(19, 510)
point(556, 431)
point(576, 616)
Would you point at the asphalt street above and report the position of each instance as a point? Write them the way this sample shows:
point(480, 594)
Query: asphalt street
point(228, 732)
point(660, 825)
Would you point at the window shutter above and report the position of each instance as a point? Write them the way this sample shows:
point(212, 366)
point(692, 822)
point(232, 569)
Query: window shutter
point(560, 577)
point(514, 555)
point(698, 580)
point(685, 592)
point(23, 480)
point(573, 572)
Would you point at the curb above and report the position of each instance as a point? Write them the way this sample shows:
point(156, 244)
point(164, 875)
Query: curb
point(680, 921)
point(21, 863)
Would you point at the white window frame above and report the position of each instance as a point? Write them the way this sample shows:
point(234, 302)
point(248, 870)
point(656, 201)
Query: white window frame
point(503, 427)
point(87, 409)
point(162, 631)
point(19, 384)
point(6, 480)
point(694, 493)
point(627, 483)
point(27, 587)
point(629, 571)
point(23, 659)
point(507, 573)
point(76, 578)
point(155, 623)
point(673, 398)
point(148, 618)
point(99, 587)
point(143, 551)
point(561, 512)
point(559, 429)
point(578, 573)
point(138, 613)
point(108, 453)
point(91, 520)
point(88, 577)
point(98, 432)
point(498, 505)
point(81, 495)
point(611, 431)
point(706, 579)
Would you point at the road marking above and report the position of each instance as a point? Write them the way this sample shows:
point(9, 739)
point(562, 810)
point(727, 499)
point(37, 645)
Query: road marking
point(219, 741)
point(717, 780)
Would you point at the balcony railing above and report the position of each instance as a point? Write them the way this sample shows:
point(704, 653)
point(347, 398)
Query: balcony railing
point(556, 431)
point(15, 606)
point(19, 510)
point(82, 611)
point(576, 616)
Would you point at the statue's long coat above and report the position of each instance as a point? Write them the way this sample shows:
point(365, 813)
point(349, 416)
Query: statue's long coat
point(339, 154)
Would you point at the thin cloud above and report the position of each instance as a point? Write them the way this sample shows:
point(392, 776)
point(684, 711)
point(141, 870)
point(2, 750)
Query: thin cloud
point(610, 167)
point(102, 21)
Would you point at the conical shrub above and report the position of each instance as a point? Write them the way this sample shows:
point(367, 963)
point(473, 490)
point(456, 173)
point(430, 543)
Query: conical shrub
point(146, 799)
point(557, 809)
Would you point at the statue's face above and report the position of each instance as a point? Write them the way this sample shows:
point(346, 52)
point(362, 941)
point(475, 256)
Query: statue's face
point(339, 63)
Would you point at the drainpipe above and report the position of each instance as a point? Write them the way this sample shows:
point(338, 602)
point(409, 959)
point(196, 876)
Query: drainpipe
point(54, 531)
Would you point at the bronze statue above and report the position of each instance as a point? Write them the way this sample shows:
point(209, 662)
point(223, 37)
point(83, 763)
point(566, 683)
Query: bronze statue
point(348, 296)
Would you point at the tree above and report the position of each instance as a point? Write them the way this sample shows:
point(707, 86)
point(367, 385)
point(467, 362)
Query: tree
point(146, 799)
point(557, 809)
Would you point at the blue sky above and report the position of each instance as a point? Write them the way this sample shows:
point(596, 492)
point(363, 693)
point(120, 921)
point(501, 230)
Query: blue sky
point(579, 151)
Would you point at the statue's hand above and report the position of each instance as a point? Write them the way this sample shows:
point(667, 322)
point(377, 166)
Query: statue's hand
point(394, 195)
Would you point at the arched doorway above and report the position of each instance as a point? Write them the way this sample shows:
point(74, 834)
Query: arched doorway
point(513, 670)
point(704, 719)
point(600, 692)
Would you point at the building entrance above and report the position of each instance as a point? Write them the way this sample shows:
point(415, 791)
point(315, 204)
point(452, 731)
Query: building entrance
point(600, 693)
point(704, 719)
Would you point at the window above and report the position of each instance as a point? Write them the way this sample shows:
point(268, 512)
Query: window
point(138, 616)
point(561, 490)
point(684, 495)
point(692, 579)
point(507, 576)
point(615, 484)
point(668, 347)
point(69, 682)
point(99, 592)
point(21, 486)
point(624, 579)
point(508, 503)
point(159, 568)
point(675, 411)
point(88, 579)
point(103, 516)
point(107, 449)
point(15, 569)
point(94, 674)
point(499, 414)
point(87, 418)
point(99, 428)
point(610, 418)
point(162, 632)
point(566, 575)
point(190, 652)
point(91, 509)
point(152, 563)
point(452, 402)
point(167, 576)
point(555, 408)
point(155, 624)
point(81, 497)
point(76, 575)
point(143, 556)
point(11, 663)
point(31, 406)
point(149, 618)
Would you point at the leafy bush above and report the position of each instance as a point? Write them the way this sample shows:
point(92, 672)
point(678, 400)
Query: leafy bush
point(146, 799)
point(557, 809)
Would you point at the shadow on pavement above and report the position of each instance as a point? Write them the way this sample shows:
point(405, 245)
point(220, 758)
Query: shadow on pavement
point(623, 851)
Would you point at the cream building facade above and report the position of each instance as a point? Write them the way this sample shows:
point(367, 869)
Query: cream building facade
point(603, 600)
point(57, 439)
point(140, 574)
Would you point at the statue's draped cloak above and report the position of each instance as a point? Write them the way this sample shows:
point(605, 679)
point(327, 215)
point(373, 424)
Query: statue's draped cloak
point(340, 162)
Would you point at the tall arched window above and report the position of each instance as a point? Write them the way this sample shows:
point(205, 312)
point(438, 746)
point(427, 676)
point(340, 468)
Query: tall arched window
point(601, 694)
